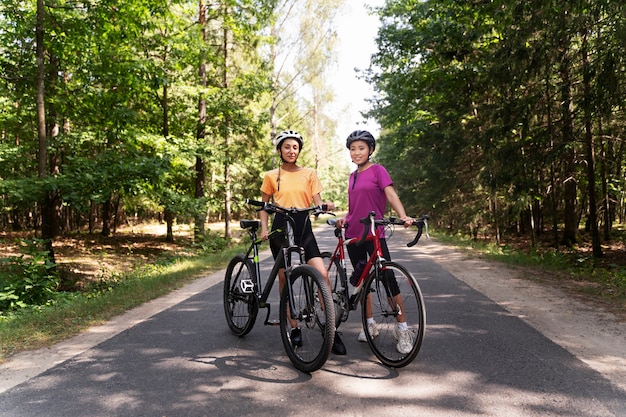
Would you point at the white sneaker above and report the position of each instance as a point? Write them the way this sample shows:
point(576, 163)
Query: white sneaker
point(372, 328)
point(405, 341)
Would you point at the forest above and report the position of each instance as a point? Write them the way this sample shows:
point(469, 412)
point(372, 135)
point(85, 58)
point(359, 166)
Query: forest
point(139, 109)
point(508, 114)
point(497, 118)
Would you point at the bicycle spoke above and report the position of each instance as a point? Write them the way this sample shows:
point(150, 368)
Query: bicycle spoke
point(395, 296)
point(240, 304)
point(310, 294)
point(338, 285)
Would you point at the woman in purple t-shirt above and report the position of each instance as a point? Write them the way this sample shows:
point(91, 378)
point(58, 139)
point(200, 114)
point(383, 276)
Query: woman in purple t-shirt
point(369, 189)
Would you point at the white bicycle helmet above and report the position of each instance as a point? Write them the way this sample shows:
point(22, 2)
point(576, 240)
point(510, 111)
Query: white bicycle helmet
point(288, 134)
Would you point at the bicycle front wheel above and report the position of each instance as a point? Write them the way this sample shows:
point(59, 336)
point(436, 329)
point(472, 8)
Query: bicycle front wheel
point(338, 287)
point(307, 328)
point(240, 303)
point(395, 297)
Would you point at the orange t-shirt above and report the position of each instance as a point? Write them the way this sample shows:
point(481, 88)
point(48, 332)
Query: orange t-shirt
point(296, 188)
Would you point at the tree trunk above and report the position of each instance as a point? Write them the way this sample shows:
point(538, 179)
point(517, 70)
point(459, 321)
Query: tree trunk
point(200, 215)
point(570, 184)
point(93, 211)
point(106, 218)
point(553, 186)
point(47, 207)
point(589, 143)
point(116, 210)
point(169, 221)
point(227, 179)
point(167, 213)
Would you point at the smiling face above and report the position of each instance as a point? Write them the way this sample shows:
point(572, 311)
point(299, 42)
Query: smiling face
point(289, 150)
point(359, 152)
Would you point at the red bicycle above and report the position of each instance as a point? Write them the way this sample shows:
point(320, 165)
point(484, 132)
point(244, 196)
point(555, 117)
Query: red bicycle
point(388, 292)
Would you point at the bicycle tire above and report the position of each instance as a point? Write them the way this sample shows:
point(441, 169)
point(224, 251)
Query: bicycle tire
point(384, 345)
point(338, 286)
point(240, 307)
point(316, 323)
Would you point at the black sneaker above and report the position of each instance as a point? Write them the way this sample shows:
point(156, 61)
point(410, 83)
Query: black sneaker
point(338, 347)
point(296, 337)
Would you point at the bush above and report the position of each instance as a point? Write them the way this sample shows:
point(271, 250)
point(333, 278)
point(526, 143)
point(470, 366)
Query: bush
point(29, 279)
point(211, 242)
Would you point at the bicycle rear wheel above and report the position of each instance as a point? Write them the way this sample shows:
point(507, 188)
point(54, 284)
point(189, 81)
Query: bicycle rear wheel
point(394, 294)
point(316, 323)
point(338, 287)
point(240, 303)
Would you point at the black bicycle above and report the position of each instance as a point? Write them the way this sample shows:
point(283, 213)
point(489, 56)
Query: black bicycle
point(384, 288)
point(303, 299)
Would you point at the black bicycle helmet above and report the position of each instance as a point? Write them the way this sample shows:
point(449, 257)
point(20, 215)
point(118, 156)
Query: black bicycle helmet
point(288, 134)
point(363, 135)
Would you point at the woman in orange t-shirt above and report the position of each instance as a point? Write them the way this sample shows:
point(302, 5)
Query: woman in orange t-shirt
point(291, 185)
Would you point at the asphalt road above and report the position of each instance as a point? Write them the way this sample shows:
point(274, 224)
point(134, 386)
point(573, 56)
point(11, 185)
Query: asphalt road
point(178, 358)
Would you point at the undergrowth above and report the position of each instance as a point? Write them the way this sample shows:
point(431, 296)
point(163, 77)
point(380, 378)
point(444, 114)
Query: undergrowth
point(604, 277)
point(68, 313)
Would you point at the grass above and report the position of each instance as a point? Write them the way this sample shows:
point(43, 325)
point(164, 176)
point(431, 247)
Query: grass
point(74, 312)
point(602, 279)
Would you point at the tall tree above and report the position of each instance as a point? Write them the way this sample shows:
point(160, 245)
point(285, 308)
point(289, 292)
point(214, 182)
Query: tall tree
point(48, 214)
point(200, 170)
point(302, 57)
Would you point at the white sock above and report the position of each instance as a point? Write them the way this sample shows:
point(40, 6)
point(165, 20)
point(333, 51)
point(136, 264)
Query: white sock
point(370, 320)
point(403, 326)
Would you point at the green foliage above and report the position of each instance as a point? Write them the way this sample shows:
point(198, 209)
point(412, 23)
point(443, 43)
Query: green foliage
point(481, 104)
point(72, 312)
point(211, 242)
point(598, 278)
point(122, 91)
point(29, 279)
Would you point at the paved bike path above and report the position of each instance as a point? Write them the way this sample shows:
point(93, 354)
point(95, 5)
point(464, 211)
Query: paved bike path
point(176, 357)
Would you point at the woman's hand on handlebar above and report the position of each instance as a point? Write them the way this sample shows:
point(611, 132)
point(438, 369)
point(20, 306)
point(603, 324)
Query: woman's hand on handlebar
point(328, 206)
point(340, 222)
point(408, 221)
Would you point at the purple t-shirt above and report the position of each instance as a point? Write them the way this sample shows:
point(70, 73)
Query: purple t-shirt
point(365, 195)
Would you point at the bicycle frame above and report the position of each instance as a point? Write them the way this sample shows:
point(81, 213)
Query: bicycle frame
point(340, 251)
point(389, 295)
point(372, 233)
point(262, 292)
point(376, 258)
point(307, 328)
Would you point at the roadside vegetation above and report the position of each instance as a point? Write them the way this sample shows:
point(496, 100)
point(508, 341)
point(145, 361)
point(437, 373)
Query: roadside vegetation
point(109, 276)
point(601, 281)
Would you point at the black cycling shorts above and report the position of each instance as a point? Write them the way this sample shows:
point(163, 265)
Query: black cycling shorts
point(303, 234)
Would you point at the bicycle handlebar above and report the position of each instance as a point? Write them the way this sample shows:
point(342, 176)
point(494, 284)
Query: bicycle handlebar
point(420, 223)
point(370, 221)
point(275, 208)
